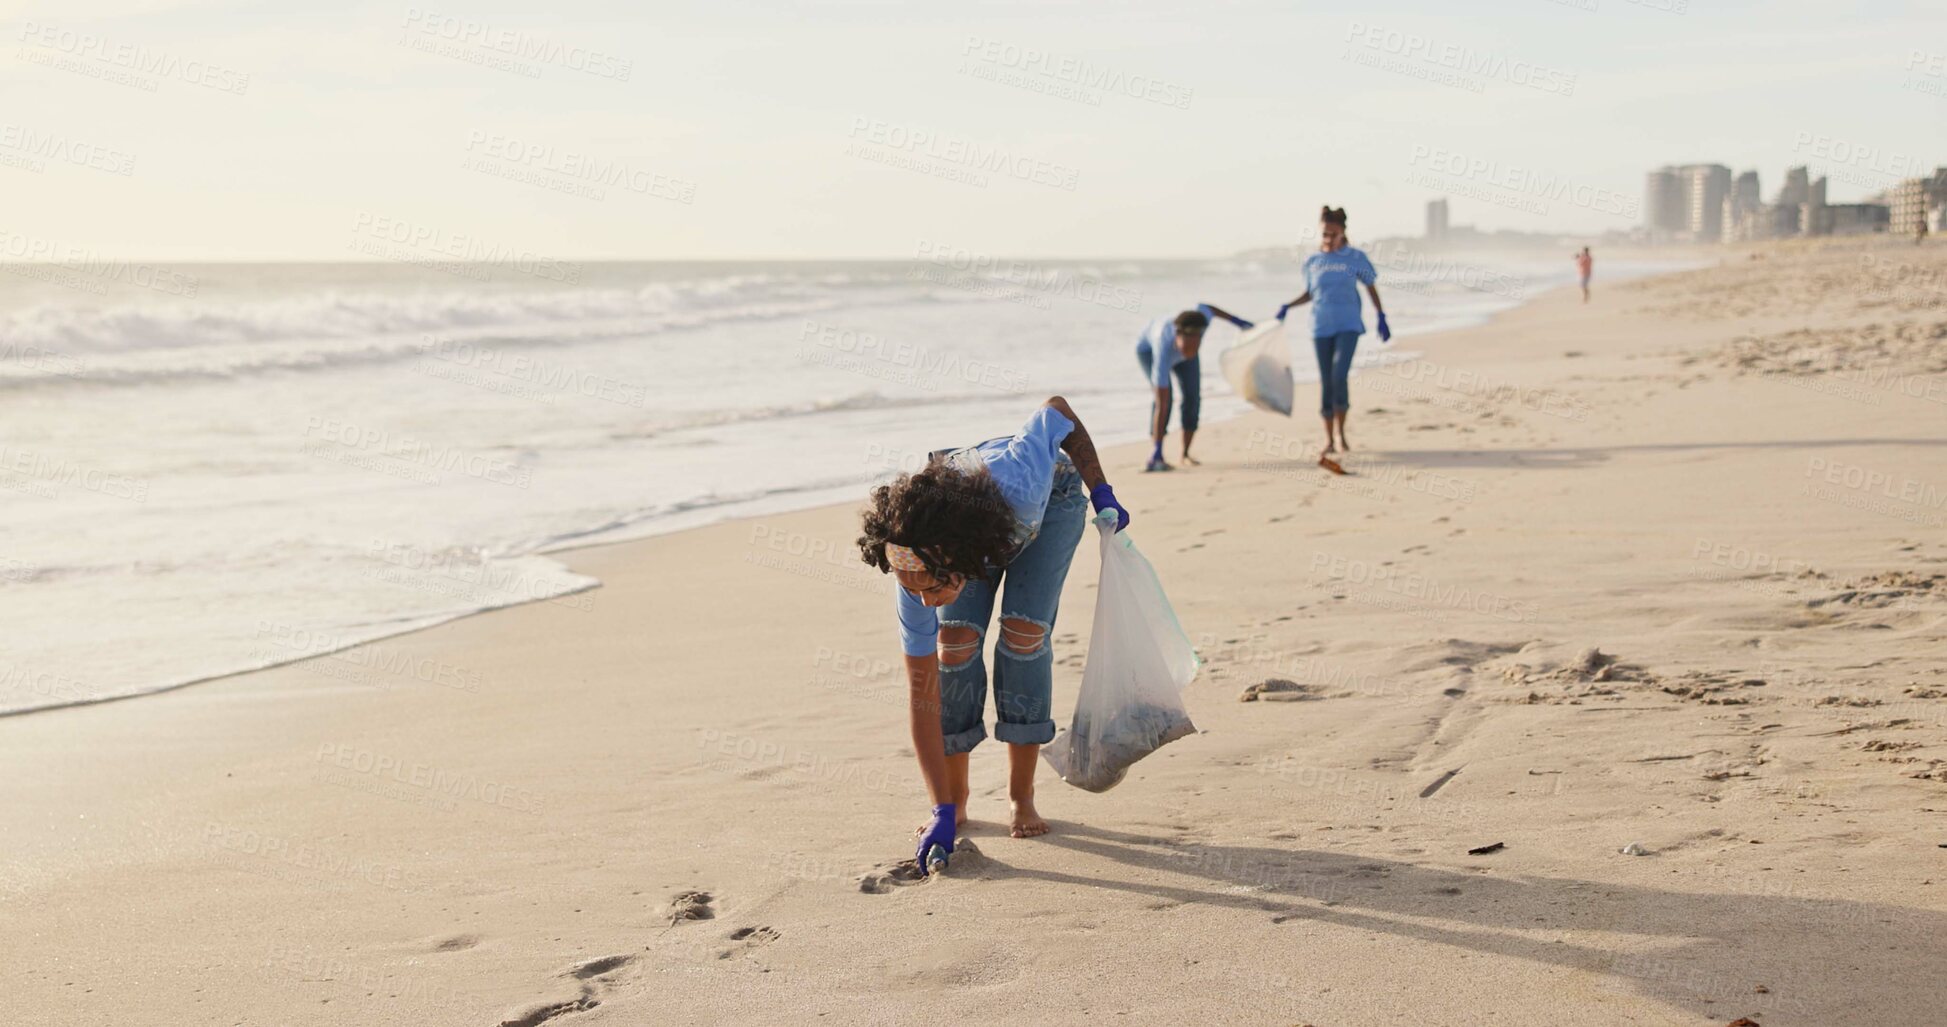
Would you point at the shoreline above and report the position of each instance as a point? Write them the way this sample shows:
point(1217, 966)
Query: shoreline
point(745, 510)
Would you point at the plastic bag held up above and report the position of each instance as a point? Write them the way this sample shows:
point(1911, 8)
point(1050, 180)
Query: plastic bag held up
point(1258, 368)
point(1139, 662)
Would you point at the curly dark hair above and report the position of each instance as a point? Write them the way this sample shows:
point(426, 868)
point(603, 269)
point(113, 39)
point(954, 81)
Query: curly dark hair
point(958, 522)
point(1332, 216)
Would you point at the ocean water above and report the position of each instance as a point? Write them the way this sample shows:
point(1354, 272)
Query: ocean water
point(206, 469)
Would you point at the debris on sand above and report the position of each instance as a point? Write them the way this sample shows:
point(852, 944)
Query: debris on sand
point(1279, 690)
point(1593, 664)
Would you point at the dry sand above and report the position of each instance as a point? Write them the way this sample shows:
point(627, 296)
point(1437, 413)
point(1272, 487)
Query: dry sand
point(1664, 570)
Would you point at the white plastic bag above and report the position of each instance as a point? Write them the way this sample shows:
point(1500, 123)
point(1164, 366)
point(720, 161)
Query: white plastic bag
point(1258, 368)
point(1139, 661)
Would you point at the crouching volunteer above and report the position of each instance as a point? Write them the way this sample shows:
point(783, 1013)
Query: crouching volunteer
point(997, 519)
point(1169, 348)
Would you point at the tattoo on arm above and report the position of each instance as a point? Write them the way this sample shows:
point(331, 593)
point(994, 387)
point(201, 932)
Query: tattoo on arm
point(1079, 447)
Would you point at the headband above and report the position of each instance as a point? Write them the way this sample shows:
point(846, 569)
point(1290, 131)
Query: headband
point(902, 558)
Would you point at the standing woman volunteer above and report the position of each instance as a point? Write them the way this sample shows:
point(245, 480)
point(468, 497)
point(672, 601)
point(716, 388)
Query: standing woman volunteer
point(1005, 512)
point(1332, 279)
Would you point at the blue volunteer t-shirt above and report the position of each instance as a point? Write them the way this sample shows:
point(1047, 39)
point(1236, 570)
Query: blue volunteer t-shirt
point(1333, 279)
point(1023, 465)
point(1160, 339)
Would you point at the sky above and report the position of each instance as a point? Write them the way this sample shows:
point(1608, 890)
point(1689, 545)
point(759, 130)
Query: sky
point(659, 130)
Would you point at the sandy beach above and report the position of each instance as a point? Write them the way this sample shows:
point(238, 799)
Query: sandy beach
point(1665, 572)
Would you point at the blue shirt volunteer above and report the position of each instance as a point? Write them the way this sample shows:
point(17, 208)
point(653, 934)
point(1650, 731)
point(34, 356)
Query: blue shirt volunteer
point(1333, 279)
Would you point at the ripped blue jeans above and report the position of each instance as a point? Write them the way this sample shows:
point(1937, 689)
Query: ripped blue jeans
point(1030, 590)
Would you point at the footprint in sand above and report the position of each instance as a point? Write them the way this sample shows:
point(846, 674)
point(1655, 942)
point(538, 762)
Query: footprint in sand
point(591, 974)
point(457, 943)
point(592, 977)
point(691, 905)
point(598, 967)
point(541, 1014)
point(750, 938)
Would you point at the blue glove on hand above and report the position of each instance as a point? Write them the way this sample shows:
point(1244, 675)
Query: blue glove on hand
point(1102, 497)
point(1281, 311)
point(1208, 311)
point(940, 832)
point(1385, 332)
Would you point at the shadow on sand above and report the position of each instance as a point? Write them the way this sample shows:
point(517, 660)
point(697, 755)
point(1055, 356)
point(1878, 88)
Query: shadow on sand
point(1692, 945)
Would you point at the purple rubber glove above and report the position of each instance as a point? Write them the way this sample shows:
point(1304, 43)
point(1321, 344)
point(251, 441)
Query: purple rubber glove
point(940, 832)
point(1209, 311)
point(1102, 497)
point(1385, 331)
point(1282, 309)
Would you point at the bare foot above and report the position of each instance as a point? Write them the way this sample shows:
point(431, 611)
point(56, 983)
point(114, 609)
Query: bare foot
point(959, 818)
point(1027, 823)
point(1329, 449)
point(1190, 461)
point(1344, 445)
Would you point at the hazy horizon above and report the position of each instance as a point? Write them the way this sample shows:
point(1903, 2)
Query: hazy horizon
point(181, 132)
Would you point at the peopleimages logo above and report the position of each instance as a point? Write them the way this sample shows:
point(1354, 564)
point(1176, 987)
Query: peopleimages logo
point(1413, 47)
point(571, 166)
point(1076, 71)
point(92, 267)
point(430, 244)
point(133, 60)
point(950, 149)
point(1543, 185)
point(514, 44)
point(1842, 155)
point(1047, 280)
point(39, 146)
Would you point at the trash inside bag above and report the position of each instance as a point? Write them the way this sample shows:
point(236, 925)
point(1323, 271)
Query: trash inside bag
point(1258, 368)
point(1139, 662)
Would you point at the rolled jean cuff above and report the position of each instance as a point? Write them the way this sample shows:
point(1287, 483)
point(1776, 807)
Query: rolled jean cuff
point(964, 741)
point(1038, 733)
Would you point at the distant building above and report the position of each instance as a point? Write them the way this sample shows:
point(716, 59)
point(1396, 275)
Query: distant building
point(1663, 204)
point(1798, 185)
point(1855, 218)
point(1705, 187)
point(1916, 202)
point(1436, 220)
point(1746, 190)
point(1811, 213)
point(1704, 203)
point(1744, 218)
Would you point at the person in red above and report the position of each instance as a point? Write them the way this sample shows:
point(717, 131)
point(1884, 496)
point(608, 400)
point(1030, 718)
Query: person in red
point(1583, 263)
